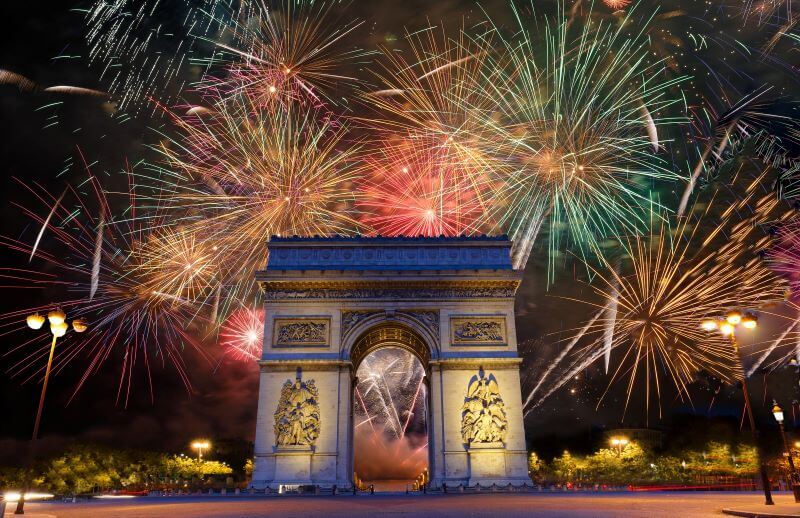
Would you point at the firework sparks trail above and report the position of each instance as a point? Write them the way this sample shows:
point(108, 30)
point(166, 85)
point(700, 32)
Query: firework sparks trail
point(98, 254)
point(283, 55)
point(416, 188)
point(772, 346)
point(142, 47)
point(584, 363)
point(579, 156)
point(262, 172)
point(44, 225)
point(563, 354)
point(680, 276)
point(390, 381)
point(129, 319)
point(611, 320)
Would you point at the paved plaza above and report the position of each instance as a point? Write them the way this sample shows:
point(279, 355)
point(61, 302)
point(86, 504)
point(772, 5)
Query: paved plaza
point(652, 505)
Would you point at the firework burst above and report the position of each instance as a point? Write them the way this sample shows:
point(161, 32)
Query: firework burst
point(238, 175)
point(576, 127)
point(679, 276)
point(100, 270)
point(291, 52)
point(242, 334)
point(417, 188)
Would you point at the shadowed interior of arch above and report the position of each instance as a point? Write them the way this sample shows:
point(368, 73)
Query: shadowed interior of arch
point(390, 419)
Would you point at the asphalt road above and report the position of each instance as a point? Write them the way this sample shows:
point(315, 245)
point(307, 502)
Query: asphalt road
point(668, 505)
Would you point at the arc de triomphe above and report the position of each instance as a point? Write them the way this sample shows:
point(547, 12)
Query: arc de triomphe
point(331, 301)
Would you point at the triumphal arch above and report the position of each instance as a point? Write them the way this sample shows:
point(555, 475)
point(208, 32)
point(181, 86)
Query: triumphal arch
point(330, 301)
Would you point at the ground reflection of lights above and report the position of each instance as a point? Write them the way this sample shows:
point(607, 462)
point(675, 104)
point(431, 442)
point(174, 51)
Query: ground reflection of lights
point(13, 496)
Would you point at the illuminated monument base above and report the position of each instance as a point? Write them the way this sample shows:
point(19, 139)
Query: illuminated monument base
point(331, 301)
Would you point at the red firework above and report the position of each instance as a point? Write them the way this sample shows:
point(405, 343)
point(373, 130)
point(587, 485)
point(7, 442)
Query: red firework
point(417, 188)
point(242, 334)
point(617, 4)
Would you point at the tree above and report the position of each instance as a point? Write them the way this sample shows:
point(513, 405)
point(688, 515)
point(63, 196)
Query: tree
point(567, 468)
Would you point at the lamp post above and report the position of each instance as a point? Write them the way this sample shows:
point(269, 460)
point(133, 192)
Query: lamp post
point(777, 411)
point(618, 444)
point(727, 327)
point(200, 446)
point(58, 328)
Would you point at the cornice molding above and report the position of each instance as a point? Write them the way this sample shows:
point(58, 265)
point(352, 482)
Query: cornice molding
point(386, 290)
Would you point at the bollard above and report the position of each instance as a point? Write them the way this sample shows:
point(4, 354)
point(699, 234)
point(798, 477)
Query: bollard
point(444, 487)
point(334, 490)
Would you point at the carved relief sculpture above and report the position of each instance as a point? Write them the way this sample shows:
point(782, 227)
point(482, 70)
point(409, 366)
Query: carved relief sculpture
point(290, 332)
point(351, 318)
point(297, 416)
point(429, 319)
point(483, 415)
point(478, 331)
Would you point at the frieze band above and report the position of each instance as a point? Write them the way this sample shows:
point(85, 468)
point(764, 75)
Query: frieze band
point(431, 293)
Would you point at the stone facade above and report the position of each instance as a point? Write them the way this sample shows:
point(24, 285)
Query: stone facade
point(332, 301)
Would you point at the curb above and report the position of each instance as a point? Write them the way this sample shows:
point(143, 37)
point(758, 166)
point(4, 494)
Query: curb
point(757, 514)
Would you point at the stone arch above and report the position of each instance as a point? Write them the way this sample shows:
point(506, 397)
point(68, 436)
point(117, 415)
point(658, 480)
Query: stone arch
point(374, 335)
point(389, 334)
point(375, 329)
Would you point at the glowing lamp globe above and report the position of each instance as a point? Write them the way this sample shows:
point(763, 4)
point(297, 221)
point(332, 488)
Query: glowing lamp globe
point(750, 321)
point(59, 329)
point(35, 321)
point(734, 318)
point(726, 329)
point(709, 324)
point(79, 325)
point(778, 413)
point(56, 317)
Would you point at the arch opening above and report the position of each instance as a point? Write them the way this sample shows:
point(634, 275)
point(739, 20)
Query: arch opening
point(390, 409)
point(389, 335)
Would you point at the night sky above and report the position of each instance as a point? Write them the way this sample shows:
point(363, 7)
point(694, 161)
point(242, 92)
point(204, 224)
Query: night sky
point(42, 143)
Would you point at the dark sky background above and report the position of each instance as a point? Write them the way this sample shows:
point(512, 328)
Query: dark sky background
point(35, 144)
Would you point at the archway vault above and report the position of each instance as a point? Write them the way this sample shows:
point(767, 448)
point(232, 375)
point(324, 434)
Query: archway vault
point(389, 335)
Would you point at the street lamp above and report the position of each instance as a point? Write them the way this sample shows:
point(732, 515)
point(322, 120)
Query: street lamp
point(58, 328)
point(727, 327)
point(619, 444)
point(200, 446)
point(778, 413)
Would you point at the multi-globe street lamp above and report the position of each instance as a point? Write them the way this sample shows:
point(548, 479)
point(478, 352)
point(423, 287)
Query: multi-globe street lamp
point(58, 328)
point(727, 326)
point(777, 411)
point(618, 444)
point(200, 446)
